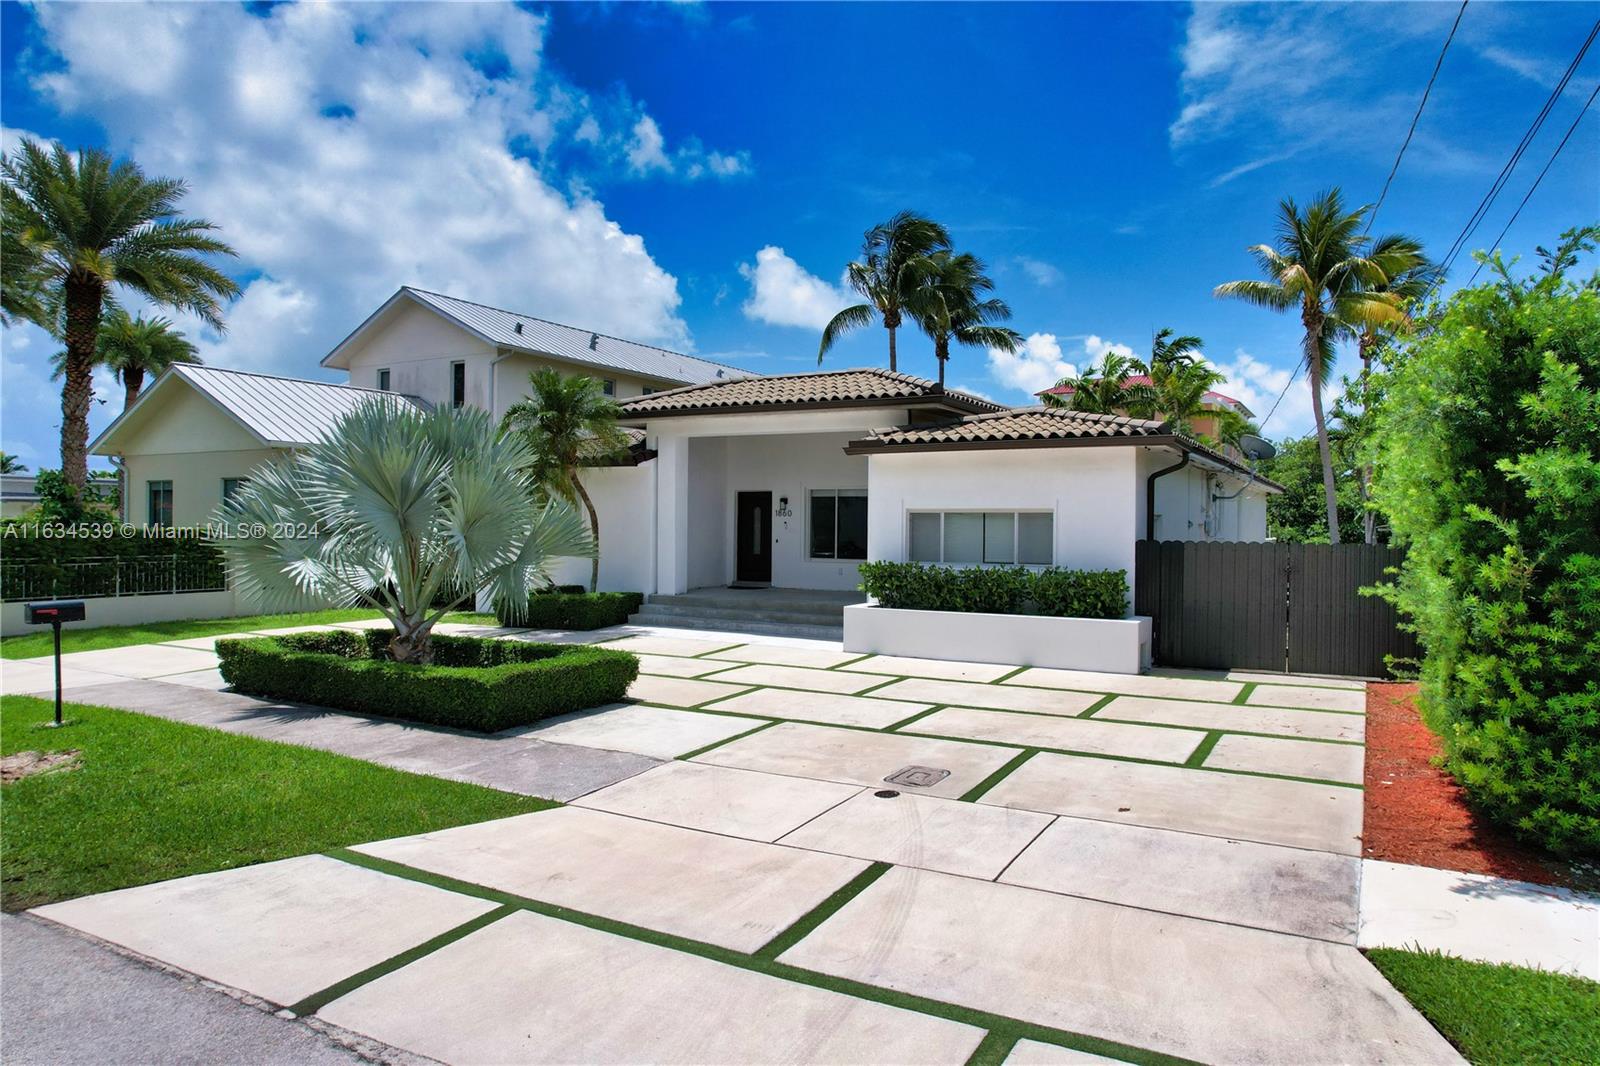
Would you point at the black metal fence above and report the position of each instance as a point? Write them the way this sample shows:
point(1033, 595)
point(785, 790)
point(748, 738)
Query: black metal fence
point(1293, 608)
point(96, 576)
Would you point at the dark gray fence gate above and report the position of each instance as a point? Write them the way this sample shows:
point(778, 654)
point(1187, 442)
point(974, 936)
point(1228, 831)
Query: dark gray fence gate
point(1291, 608)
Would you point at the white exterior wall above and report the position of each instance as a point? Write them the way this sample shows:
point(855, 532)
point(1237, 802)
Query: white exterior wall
point(1094, 493)
point(1190, 503)
point(622, 498)
point(194, 446)
point(417, 347)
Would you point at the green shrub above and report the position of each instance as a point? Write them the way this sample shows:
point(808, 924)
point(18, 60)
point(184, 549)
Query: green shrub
point(482, 685)
point(567, 609)
point(997, 590)
point(1489, 473)
point(1081, 593)
point(100, 556)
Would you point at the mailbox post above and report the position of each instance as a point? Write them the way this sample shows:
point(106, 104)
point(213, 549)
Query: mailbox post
point(53, 613)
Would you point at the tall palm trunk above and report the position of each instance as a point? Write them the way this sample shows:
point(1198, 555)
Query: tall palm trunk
point(132, 382)
point(1314, 324)
point(594, 525)
point(84, 298)
point(941, 353)
point(891, 347)
point(1369, 517)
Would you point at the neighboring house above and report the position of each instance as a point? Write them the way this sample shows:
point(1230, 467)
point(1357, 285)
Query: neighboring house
point(789, 480)
point(194, 436)
point(18, 494)
point(454, 352)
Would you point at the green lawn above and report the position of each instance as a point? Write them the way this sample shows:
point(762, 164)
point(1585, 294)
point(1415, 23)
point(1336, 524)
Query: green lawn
point(153, 799)
point(29, 645)
point(1499, 1014)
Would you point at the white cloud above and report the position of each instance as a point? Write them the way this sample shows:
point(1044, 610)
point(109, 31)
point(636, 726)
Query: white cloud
point(1041, 273)
point(783, 293)
point(1041, 363)
point(647, 150)
point(345, 150)
point(1036, 366)
point(1258, 385)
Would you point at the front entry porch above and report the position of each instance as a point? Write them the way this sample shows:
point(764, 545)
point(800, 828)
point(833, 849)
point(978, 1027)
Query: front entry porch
point(813, 613)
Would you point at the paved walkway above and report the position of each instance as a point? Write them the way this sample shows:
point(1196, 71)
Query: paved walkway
point(783, 851)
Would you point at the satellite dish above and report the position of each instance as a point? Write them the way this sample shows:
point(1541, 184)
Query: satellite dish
point(1256, 447)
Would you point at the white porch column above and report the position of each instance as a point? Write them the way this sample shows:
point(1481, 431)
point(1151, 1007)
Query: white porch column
point(672, 515)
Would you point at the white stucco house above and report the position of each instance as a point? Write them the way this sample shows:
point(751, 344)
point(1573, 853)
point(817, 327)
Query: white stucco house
point(789, 481)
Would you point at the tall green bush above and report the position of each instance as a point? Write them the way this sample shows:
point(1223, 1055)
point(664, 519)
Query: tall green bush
point(1489, 471)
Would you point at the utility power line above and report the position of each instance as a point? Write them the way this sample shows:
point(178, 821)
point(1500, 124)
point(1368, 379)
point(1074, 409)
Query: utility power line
point(1540, 178)
point(1417, 117)
point(1499, 185)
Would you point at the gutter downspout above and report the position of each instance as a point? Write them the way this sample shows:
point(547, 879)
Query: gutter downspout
point(494, 373)
point(1150, 494)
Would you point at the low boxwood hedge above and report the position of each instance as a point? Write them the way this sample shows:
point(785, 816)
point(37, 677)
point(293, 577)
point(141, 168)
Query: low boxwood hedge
point(473, 683)
point(998, 590)
point(568, 609)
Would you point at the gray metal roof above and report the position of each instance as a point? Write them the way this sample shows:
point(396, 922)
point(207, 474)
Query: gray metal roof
point(508, 329)
point(283, 412)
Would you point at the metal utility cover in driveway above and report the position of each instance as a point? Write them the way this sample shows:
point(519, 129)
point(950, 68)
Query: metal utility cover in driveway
point(918, 776)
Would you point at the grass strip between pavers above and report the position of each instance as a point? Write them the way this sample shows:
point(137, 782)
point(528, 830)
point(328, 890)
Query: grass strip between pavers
point(1010, 1028)
point(1088, 711)
point(814, 917)
point(976, 792)
point(937, 707)
point(1243, 694)
point(1003, 678)
point(1199, 755)
point(994, 1049)
point(715, 744)
point(317, 1000)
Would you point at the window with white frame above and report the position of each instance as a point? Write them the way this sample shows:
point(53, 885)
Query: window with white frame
point(608, 386)
point(383, 379)
point(838, 524)
point(981, 538)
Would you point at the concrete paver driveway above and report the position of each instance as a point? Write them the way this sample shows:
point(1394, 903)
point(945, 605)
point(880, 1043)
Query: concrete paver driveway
point(846, 859)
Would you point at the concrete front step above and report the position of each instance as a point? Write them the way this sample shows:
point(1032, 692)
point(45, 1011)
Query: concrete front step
point(649, 617)
point(825, 616)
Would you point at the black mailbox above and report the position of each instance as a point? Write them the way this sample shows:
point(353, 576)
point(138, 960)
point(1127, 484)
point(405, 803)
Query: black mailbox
point(52, 611)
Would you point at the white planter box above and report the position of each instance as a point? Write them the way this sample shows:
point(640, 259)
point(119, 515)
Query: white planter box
point(1111, 645)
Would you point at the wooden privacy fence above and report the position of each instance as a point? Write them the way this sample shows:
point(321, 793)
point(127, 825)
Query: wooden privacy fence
point(1293, 608)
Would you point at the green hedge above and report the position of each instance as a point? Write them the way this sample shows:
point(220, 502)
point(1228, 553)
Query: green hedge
point(482, 685)
point(566, 609)
point(998, 590)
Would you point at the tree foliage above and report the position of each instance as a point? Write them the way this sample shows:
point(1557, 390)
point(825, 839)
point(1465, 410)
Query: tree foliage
point(1488, 470)
point(1299, 515)
point(392, 508)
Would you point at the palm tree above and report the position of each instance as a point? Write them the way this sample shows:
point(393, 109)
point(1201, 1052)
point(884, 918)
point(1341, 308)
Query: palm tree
point(134, 347)
point(953, 305)
point(1105, 389)
point(403, 506)
point(565, 423)
point(893, 265)
point(10, 464)
point(1320, 266)
point(90, 224)
point(1410, 276)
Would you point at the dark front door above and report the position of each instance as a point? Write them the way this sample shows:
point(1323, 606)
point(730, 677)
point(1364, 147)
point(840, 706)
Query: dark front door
point(754, 551)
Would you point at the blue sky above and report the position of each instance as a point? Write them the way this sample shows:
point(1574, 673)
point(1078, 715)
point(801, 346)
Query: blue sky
point(698, 175)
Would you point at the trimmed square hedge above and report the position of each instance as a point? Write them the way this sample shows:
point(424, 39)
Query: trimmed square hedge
point(473, 683)
point(998, 589)
point(566, 608)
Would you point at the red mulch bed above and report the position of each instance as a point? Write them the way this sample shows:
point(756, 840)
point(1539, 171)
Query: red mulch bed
point(1417, 814)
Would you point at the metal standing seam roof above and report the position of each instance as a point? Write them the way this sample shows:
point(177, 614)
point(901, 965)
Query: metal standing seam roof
point(508, 329)
point(283, 411)
point(858, 387)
